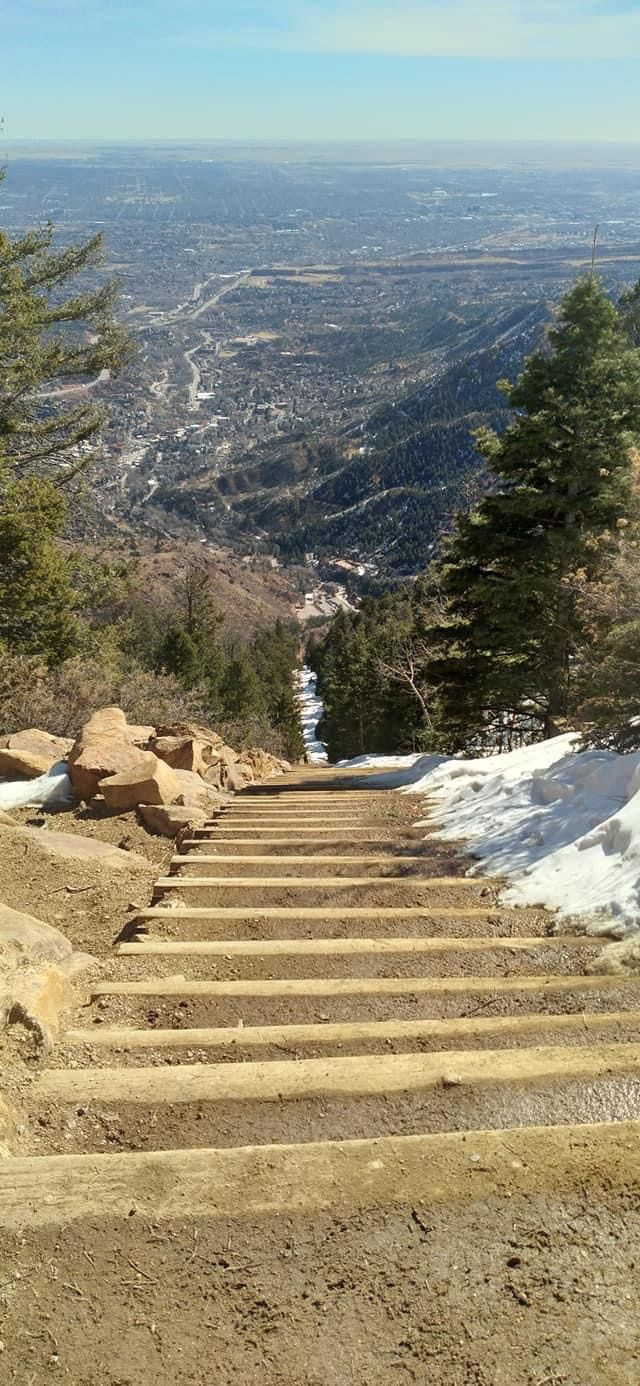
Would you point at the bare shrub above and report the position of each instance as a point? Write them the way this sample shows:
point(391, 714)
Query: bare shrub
point(59, 700)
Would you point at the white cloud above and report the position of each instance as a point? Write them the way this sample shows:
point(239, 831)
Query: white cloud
point(513, 29)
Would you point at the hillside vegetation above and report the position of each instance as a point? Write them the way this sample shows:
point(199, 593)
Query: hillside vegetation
point(526, 621)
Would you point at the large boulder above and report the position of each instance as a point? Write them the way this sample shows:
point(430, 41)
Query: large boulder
point(106, 746)
point(31, 753)
point(184, 753)
point(191, 731)
point(171, 819)
point(237, 776)
point(146, 781)
point(196, 792)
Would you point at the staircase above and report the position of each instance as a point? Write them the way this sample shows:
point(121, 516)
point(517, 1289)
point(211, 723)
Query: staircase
point(320, 1011)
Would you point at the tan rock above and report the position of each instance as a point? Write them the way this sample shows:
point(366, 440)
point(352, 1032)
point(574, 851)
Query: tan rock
point(31, 753)
point(185, 753)
point(140, 736)
point(75, 847)
point(107, 721)
point(193, 731)
point(35, 996)
point(37, 967)
point(102, 748)
point(196, 792)
point(237, 776)
point(8, 1123)
point(171, 819)
point(149, 781)
point(31, 937)
point(213, 774)
point(264, 764)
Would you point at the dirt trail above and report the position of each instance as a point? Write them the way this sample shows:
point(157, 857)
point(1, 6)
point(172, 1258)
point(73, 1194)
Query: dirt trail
point(396, 1139)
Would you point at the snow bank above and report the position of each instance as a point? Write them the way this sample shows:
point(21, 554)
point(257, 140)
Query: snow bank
point(53, 789)
point(311, 710)
point(563, 825)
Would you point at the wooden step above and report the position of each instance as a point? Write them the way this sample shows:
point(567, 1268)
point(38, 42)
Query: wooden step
point(360, 986)
point(349, 1033)
point(290, 882)
point(379, 859)
point(310, 947)
point(311, 912)
point(362, 1076)
point(286, 832)
point(284, 839)
point(340, 1176)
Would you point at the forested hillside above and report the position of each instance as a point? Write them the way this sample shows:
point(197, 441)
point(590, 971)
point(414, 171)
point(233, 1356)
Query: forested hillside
point(386, 491)
point(526, 620)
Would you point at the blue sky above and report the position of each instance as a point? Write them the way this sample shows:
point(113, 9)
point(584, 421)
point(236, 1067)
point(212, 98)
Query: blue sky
point(320, 69)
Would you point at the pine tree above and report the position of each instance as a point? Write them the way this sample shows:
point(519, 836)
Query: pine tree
point(507, 641)
point(241, 695)
point(36, 597)
point(346, 679)
point(274, 656)
point(629, 310)
point(50, 338)
point(179, 655)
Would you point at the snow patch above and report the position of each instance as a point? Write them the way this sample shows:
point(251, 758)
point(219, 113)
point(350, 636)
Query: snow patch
point(311, 710)
point(560, 824)
point(54, 790)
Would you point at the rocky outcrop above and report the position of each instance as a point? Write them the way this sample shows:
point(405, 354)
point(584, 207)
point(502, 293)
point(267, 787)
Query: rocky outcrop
point(31, 753)
point(263, 764)
point(183, 763)
point(237, 776)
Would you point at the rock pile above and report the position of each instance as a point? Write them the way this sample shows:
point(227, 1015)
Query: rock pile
point(174, 775)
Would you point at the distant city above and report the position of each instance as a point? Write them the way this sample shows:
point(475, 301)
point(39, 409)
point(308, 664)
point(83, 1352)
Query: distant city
point(321, 328)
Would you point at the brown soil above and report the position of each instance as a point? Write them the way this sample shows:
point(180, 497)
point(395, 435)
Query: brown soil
point(526, 1292)
point(87, 901)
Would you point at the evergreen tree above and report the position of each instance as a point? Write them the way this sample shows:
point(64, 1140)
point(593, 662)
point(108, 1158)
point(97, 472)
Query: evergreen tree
point(607, 679)
point(274, 656)
point(346, 677)
point(371, 668)
point(36, 597)
point(240, 693)
point(51, 337)
point(629, 310)
point(179, 655)
point(511, 628)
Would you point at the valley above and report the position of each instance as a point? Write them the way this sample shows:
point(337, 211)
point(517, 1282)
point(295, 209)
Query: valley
point(318, 336)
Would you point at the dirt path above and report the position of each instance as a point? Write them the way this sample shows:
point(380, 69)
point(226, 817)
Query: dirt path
point(333, 1117)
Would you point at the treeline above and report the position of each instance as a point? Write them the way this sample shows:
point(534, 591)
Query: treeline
point(526, 622)
point(75, 630)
